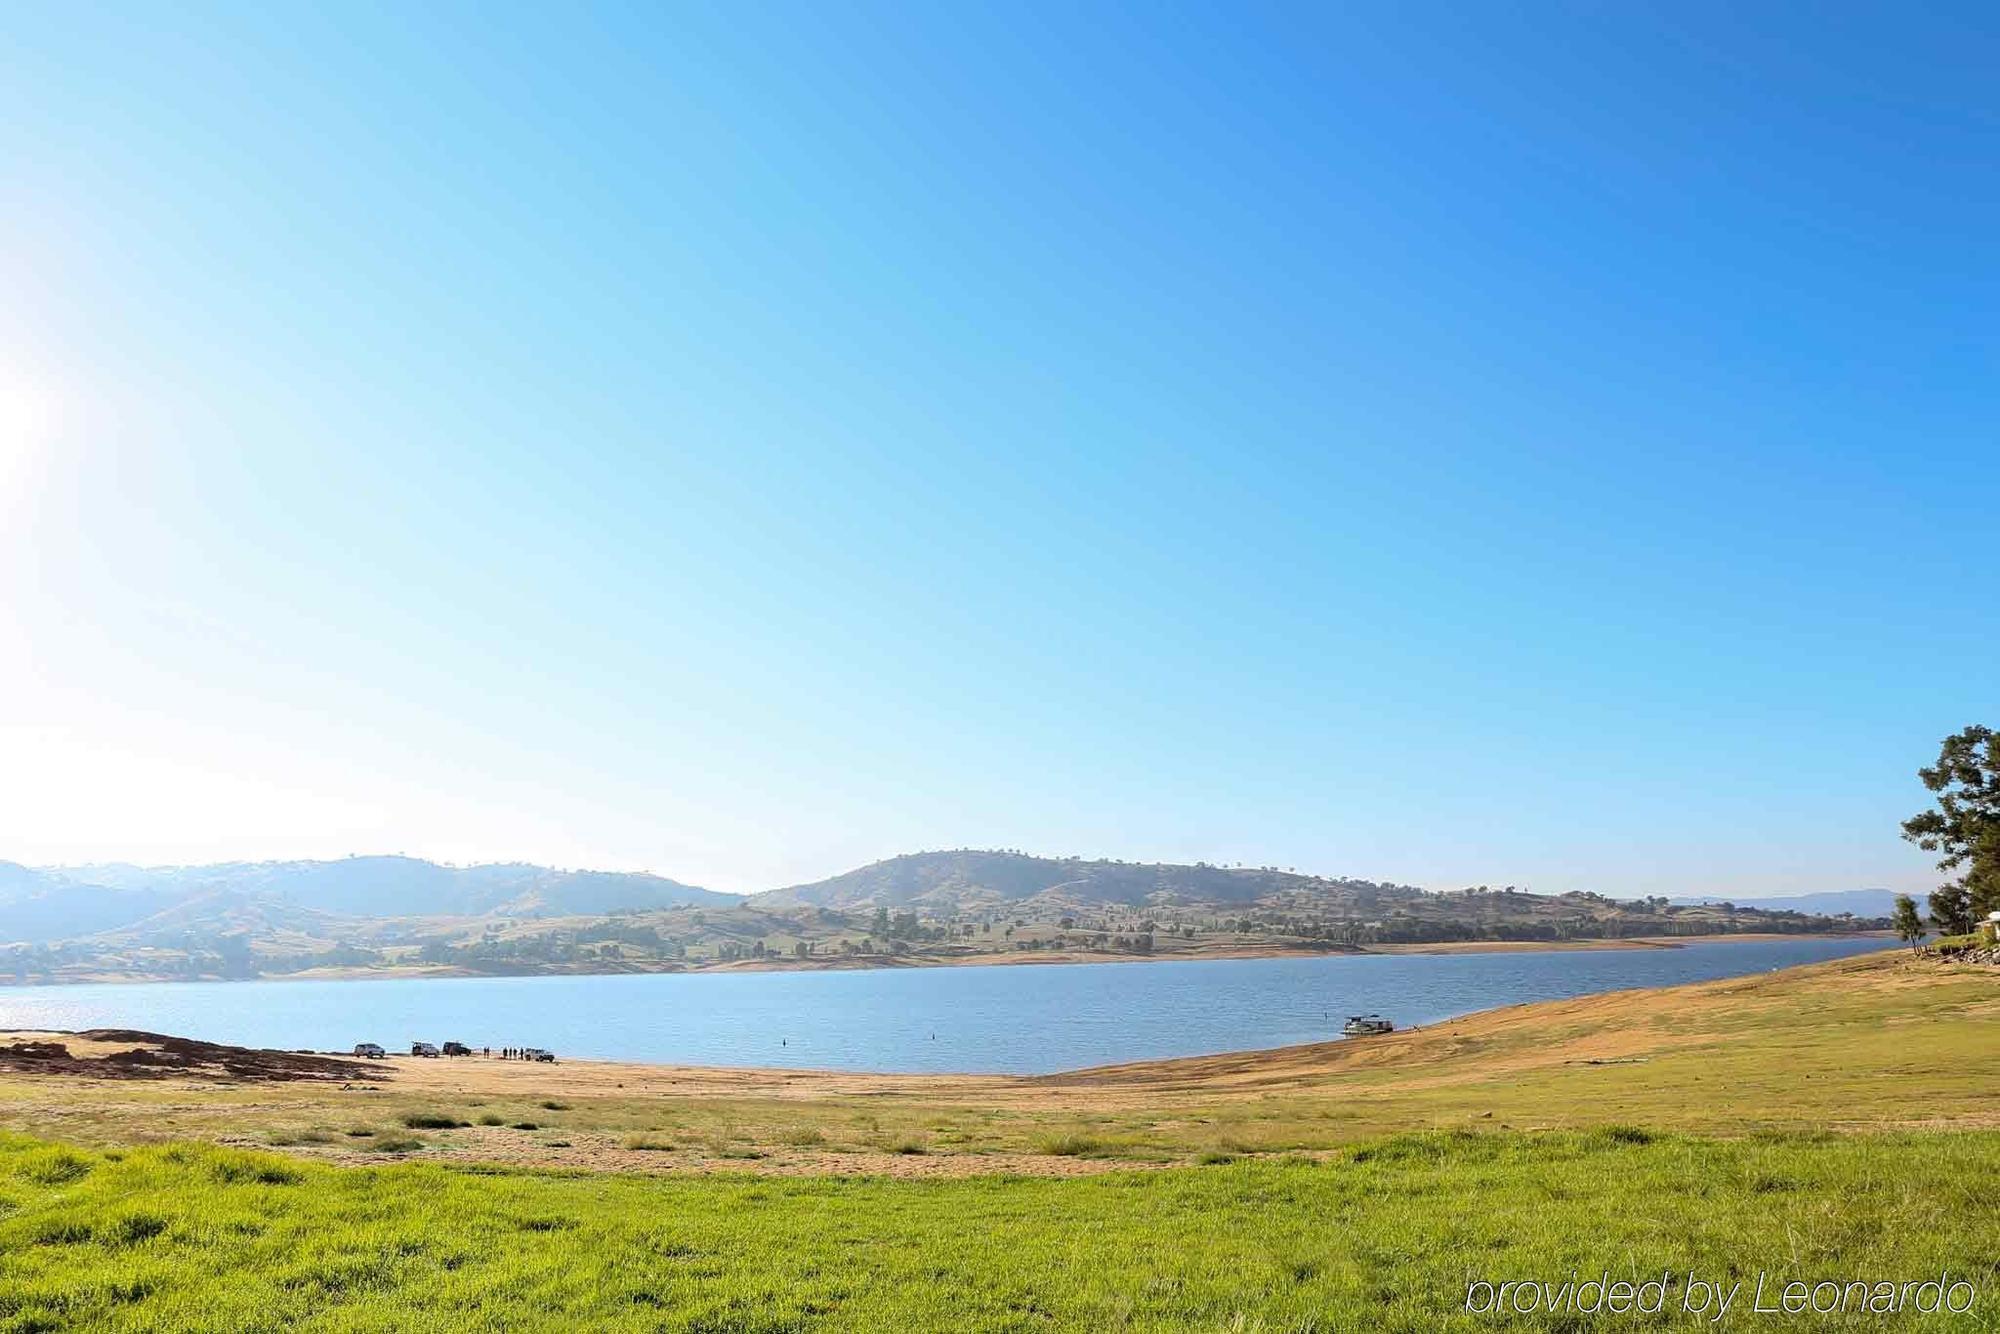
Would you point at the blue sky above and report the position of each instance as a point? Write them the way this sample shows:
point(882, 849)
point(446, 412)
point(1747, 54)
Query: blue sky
point(1550, 445)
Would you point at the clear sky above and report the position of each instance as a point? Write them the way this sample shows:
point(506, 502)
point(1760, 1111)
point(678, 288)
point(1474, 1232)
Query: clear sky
point(1548, 444)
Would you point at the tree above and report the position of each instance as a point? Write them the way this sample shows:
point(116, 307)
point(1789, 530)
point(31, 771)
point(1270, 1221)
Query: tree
point(1951, 910)
point(1965, 827)
point(1909, 926)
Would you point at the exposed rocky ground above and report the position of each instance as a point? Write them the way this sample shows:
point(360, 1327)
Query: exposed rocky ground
point(123, 1053)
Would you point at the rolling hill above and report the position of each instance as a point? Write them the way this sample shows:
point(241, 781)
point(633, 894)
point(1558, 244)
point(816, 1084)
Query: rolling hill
point(967, 880)
point(374, 914)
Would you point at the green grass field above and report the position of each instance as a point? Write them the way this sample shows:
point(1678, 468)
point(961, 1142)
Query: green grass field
point(1840, 1122)
point(187, 1237)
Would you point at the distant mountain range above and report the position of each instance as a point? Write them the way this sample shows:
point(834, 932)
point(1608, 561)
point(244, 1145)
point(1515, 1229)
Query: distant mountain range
point(60, 902)
point(1831, 903)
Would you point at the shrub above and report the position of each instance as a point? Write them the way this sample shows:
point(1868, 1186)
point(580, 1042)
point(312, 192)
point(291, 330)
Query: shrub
point(397, 1143)
point(553, 1105)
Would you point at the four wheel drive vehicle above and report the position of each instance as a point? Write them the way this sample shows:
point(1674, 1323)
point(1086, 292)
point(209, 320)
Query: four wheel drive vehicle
point(372, 1050)
point(457, 1049)
point(423, 1049)
point(540, 1054)
point(1366, 1025)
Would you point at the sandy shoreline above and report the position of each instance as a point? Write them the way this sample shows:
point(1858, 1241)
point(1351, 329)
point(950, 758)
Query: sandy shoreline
point(1621, 943)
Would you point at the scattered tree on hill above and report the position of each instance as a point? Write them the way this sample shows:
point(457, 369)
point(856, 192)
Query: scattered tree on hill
point(1965, 827)
point(1909, 926)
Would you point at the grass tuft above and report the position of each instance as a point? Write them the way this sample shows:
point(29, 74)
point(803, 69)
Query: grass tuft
point(131, 1229)
point(286, 1138)
point(431, 1121)
point(545, 1224)
point(53, 1167)
point(1626, 1134)
point(1069, 1146)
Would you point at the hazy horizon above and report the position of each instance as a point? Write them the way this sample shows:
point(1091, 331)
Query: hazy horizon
point(667, 874)
point(1407, 443)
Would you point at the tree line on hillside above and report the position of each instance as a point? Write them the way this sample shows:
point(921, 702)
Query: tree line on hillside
point(1963, 827)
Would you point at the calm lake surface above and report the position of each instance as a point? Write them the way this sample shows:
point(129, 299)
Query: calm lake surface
point(1024, 1019)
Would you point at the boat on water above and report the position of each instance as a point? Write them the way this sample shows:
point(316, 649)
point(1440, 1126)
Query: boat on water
point(1366, 1025)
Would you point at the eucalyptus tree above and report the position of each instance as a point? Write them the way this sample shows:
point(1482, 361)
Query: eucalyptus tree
point(1963, 828)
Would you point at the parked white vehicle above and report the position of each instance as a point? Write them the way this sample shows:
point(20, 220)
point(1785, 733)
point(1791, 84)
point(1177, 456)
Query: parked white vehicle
point(423, 1049)
point(372, 1050)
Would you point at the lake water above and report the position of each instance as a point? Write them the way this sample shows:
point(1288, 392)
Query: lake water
point(1023, 1019)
